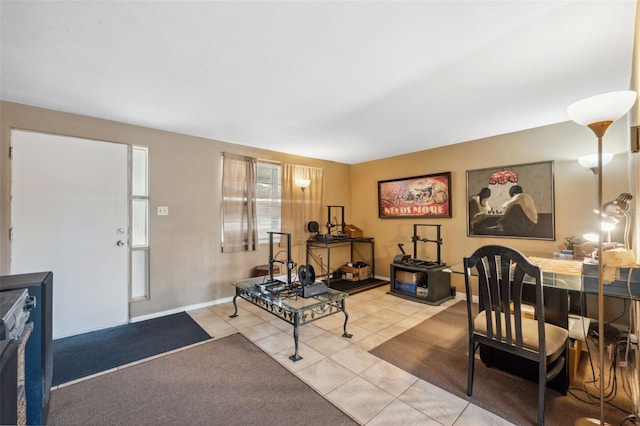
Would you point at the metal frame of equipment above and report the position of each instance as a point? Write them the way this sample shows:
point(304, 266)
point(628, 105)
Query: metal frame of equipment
point(415, 238)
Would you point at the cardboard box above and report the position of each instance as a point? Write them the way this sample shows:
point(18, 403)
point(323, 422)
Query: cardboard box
point(411, 277)
point(351, 273)
point(353, 231)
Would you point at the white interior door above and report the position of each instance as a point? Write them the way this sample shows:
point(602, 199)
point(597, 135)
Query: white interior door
point(69, 213)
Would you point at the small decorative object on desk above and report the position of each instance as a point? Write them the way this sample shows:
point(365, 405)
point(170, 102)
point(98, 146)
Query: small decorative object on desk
point(570, 242)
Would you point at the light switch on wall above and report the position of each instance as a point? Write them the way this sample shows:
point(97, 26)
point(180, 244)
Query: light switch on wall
point(163, 210)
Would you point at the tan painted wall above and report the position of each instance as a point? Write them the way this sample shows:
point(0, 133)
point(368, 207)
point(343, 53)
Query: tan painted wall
point(575, 196)
point(186, 264)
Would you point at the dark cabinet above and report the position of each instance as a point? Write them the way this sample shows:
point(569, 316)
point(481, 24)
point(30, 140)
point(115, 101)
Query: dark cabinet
point(421, 282)
point(9, 382)
point(38, 356)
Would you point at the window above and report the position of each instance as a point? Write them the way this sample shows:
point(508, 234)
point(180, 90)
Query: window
point(268, 200)
point(251, 202)
point(139, 207)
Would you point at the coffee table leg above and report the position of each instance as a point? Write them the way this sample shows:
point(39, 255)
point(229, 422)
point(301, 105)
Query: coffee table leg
point(296, 332)
point(235, 306)
point(346, 318)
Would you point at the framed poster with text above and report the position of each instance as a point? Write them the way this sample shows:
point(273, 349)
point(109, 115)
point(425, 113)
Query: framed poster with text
point(425, 196)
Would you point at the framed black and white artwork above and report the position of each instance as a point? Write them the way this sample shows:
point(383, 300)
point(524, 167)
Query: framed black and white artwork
point(515, 201)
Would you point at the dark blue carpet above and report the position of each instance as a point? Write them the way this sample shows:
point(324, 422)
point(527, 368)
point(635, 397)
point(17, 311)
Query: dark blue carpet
point(353, 287)
point(86, 354)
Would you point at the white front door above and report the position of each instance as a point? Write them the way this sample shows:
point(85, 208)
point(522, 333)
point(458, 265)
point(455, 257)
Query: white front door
point(69, 214)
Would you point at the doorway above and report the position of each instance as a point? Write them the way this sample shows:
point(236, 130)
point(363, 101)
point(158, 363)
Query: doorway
point(69, 215)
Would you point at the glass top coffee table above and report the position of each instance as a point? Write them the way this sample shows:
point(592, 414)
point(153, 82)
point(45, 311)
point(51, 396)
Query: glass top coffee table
point(291, 307)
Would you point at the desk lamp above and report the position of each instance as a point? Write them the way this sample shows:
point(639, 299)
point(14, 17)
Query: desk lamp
point(598, 113)
point(615, 211)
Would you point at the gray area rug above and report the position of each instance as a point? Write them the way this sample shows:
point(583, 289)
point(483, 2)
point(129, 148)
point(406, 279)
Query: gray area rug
point(436, 351)
point(224, 382)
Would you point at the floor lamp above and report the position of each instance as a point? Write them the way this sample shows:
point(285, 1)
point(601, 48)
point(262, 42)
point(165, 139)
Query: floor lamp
point(597, 113)
point(591, 161)
point(302, 184)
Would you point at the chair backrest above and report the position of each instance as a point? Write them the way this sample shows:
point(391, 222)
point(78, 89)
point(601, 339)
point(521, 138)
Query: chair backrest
point(501, 273)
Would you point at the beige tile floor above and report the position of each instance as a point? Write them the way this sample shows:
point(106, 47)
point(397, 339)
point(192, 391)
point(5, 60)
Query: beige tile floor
point(370, 390)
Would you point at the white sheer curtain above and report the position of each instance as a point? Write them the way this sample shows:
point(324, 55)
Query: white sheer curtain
point(292, 208)
point(239, 218)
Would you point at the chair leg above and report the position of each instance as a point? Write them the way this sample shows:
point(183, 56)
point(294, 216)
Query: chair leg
point(542, 385)
point(470, 368)
point(565, 374)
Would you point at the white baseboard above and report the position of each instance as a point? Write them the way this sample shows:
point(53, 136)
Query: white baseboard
point(184, 308)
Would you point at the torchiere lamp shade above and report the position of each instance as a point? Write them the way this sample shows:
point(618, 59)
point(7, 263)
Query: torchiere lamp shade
point(606, 107)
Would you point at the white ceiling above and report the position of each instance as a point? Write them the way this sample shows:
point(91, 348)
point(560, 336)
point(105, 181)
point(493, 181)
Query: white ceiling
point(347, 81)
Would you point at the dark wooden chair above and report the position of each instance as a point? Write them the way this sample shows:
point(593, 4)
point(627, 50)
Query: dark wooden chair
point(500, 323)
